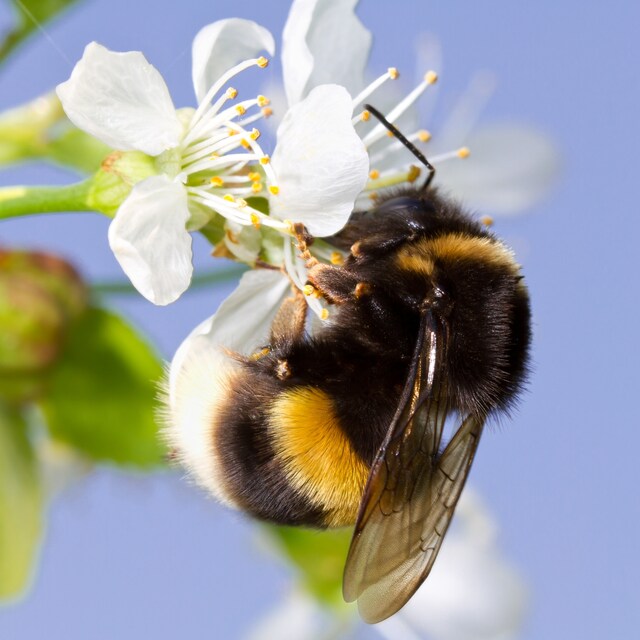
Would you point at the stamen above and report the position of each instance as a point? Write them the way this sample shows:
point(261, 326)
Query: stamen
point(255, 134)
point(265, 159)
point(262, 62)
point(240, 110)
point(255, 220)
point(228, 197)
point(256, 187)
point(391, 74)
point(378, 131)
point(374, 174)
point(254, 176)
point(308, 289)
point(423, 135)
point(216, 86)
point(458, 153)
point(263, 101)
point(336, 258)
point(274, 189)
point(324, 314)
point(231, 93)
point(267, 112)
point(217, 181)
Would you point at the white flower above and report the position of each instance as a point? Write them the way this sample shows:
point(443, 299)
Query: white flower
point(206, 156)
point(510, 167)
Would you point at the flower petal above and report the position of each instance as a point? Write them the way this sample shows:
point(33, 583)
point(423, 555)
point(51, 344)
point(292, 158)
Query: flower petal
point(320, 162)
point(472, 591)
point(510, 168)
point(149, 239)
point(122, 100)
point(223, 44)
point(199, 372)
point(323, 42)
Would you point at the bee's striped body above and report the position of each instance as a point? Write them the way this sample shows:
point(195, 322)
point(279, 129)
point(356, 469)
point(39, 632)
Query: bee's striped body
point(290, 434)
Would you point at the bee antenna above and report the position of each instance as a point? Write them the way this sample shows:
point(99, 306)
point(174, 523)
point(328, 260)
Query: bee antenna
point(412, 147)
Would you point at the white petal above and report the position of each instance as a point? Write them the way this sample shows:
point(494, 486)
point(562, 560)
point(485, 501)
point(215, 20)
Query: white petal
point(323, 42)
point(510, 168)
point(472, 591)
point(149, 239)
point(223, 44)
point(122, 100)
point(200, 370)
point(320, 162)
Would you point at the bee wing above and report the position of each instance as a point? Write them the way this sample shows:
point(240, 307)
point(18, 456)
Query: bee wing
point(412, 490)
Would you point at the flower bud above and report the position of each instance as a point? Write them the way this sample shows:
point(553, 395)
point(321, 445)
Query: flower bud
point(40, 295)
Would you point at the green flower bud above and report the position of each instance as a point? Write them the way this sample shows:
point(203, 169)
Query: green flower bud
point(40, 295)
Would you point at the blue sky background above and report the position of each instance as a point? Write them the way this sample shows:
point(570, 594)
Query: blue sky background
point(149, 557)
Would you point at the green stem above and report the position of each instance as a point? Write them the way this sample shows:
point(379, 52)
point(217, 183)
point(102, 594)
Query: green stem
point(27, 200)
point(214, 277)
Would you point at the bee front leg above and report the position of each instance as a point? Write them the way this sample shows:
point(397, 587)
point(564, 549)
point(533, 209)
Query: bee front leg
point(334, 284)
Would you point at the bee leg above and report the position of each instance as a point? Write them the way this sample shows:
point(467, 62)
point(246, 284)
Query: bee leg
point(333, 283)
point(289, 324)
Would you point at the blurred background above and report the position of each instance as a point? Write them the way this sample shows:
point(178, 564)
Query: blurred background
point(133, 555)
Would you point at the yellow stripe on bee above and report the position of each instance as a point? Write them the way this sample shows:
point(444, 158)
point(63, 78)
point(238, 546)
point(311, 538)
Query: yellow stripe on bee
point(452, 247)
point(316, 453)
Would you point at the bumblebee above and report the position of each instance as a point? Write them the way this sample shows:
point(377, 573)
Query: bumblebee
point(430, 320)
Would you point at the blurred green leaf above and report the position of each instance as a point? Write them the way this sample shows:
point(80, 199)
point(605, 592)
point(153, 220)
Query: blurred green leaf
point(30, 15)
point(101, 396)
point(319, 557)
point(21, 505)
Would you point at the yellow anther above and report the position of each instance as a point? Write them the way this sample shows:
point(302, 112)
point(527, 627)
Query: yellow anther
point(228, 197)
point(255, 134)
point(463, 152)
point(240, 110)
point(393, 73)
point(365, 115)
point(413, 173)
point(241, 202)
point(267, 111)
point(374, 174)
point(245, 144)
point(254, 176)
point(231, 93)
point(373, 195)
point(262, 62)
point(263, 101)
point(255, 220)
point(231, 132)
point(487, 221)
point(274, 190)
point(256, 187)
point(214, 155)
point(217, 181)
point(431, 77)
point(390, 134)
point(336, 258)
point(308, 289)
point(324, 314)
point(424, 135)
point(265, 160)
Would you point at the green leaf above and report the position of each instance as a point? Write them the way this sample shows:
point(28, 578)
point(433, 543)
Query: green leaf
point(319, 557)
point(21, 505)
point(30, 15)
point(101, 398)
